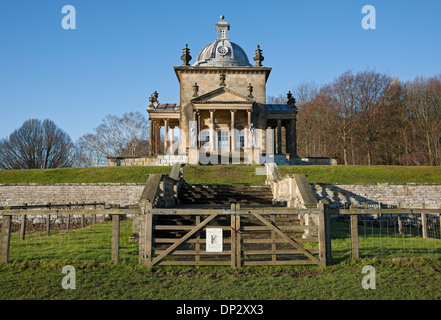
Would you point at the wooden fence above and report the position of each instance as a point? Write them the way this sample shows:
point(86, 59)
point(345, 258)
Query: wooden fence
point(115, 211)
point(248, 237)
point(398, 212)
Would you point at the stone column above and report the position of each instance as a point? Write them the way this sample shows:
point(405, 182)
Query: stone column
point(166, 137)
point(158, 137)
point(198, 117)
point(279, 136)
point(172, 139)
point(264, 135)
point(247, 131)
point(293, 138)
point(212, 130)
point(270, 141)
point(150, 137)
point(232, 130)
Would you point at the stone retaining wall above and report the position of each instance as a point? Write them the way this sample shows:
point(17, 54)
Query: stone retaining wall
point(39, 194)
point(412, 195)
point(159, 160)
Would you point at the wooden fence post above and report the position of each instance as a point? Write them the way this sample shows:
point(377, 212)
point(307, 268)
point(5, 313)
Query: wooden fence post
point(424, 222)
point(233, 241)
point(148, 249)
point(115, 238)
point(324, 234)
point(23, 227)
point(400, 221)
point(48, 225)
point(238, 246)
point(354, 237)
point(6, 239)
point(198, 245)
point(67, 222)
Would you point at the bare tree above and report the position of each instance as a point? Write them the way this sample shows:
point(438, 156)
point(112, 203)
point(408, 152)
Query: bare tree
point(306, 91)
point(37, 145)
point(342, 95)
point(276, 100)
point(124, 136)
point(423, 103)
point(371, 90)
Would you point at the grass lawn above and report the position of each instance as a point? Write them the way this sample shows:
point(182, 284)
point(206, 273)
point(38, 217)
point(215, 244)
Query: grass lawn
point(82, 175)
point(403, 279)
point(227, 174)
point(36, 263)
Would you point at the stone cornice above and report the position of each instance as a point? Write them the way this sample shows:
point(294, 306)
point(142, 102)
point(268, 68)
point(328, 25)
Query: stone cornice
point(222, 102)
point(225, 70)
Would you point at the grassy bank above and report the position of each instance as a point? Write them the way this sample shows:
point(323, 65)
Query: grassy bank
point(366, 174)
point(402, 279)
point(82, 175)
point(227, 174)
point(407, 267)
point(316, 174)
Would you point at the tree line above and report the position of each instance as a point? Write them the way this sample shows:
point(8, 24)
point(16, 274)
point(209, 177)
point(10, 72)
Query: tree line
point(370, 118)
point(42, 145)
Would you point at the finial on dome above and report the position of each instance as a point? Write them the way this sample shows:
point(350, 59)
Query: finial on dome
point(222, 28)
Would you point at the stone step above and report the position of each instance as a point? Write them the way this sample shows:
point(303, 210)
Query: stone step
point(211, 195)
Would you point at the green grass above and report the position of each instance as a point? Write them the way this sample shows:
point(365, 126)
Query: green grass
point(407, 267)
point(395, 279)
point(90, 243)
point(227, 174)
point(82, 175)
point(366, 174)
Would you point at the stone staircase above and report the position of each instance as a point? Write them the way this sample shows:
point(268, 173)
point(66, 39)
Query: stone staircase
point(221, 196)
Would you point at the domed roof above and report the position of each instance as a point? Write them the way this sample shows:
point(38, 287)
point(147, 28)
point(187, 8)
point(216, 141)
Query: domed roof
point(222, 52)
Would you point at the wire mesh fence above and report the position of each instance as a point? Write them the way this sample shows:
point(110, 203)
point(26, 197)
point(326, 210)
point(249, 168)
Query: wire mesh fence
point(387, 236)
point(89, 237)
point(69, 237)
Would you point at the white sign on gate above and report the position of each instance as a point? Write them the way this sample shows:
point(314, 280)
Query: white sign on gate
point(214, 241)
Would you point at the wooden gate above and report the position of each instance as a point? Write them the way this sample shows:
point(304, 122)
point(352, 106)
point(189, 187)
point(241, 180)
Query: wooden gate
point(274, 236)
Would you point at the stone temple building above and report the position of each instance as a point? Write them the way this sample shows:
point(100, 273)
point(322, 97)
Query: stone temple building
point(222, 115)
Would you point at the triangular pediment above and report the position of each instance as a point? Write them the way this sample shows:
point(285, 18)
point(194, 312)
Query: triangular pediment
point(222, 95)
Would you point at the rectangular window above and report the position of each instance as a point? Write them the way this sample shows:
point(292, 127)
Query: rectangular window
point(240, 139)
point(222, 138)
point(205, 138)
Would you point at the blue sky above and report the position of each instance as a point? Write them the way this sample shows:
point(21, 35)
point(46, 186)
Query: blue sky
point(122, 51)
